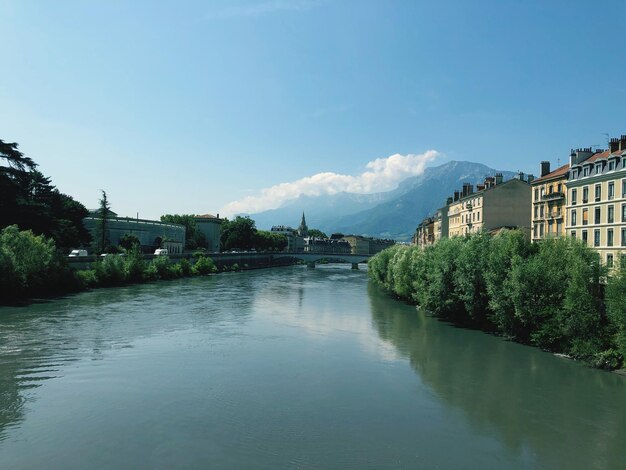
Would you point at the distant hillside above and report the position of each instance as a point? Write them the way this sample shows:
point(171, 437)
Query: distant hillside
point(393, 214)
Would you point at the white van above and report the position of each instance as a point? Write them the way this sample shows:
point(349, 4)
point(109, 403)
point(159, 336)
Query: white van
point(77, 253)
point(161, 252)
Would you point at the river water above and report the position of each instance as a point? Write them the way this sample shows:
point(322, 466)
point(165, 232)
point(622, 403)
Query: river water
point(287, 368)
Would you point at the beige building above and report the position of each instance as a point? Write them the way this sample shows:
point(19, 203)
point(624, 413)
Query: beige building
point(425, 233)
point(549, 197)
point(495, 204)
point(596, 195)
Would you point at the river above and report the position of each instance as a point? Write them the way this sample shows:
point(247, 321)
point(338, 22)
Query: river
point(287, 368)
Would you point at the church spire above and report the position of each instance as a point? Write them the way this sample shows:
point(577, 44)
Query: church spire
point(303, 230)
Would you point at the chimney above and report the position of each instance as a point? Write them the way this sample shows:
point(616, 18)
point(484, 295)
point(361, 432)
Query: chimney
point(520, 176)
point(579, 155)
point(457, 195)
point(489, 182)
point(498, 178)
point(530, 178)
point(545, 168)
point(468, 189)
point(449, 201)
point(614, 145)
point(622, 142)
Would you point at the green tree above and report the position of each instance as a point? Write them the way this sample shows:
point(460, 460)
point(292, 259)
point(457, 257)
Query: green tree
point(239, 233)
point(315, 233)
point(128, 241)
point(194, 238)
point(102, 225)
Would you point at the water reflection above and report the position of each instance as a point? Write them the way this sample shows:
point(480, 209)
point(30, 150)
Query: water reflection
point(568, 415)
point(38, 341)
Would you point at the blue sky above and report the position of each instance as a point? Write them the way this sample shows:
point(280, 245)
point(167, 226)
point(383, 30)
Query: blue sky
point(188, 106)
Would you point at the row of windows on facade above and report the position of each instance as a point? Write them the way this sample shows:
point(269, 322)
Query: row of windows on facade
point(598, 192)
point(466, 218)
point(597, 215)
point(610, 238)
point(599, 167)
point(552, 189)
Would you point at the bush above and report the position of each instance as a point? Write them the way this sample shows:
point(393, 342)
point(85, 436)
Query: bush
point(185, 267)
point(110, 271)
point(134, 265)
point(28, 262)
point(204, 265)
point(548, 294)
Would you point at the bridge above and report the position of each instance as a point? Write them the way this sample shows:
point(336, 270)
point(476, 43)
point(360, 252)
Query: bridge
point(312, 258)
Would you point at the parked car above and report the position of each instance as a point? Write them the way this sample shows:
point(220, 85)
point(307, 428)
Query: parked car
point(77, 253)
point(161, 252)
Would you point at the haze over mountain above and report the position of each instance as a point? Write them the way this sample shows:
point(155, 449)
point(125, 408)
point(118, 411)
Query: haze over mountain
point(392, 214)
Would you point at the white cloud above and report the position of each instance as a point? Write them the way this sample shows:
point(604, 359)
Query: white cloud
point(262, 8)
point(381, 174)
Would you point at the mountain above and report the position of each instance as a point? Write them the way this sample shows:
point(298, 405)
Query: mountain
point(392, 214)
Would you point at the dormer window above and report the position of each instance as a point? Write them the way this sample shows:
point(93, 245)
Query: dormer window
point(611, 165)
point(598, 168)
point(586, 171)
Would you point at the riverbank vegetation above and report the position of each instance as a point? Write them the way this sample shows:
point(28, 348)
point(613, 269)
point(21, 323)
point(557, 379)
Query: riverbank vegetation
point(555, 295)
point(31, 266)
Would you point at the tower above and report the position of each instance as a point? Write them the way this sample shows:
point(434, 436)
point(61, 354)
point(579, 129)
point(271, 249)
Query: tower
point(303, 230)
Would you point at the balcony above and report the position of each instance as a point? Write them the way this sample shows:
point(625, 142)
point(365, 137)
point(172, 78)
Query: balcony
point(553, 196)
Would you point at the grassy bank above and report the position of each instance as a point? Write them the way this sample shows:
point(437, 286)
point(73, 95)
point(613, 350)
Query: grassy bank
point(554, 295)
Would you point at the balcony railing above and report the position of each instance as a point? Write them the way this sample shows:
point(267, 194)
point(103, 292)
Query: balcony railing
point(552, 196)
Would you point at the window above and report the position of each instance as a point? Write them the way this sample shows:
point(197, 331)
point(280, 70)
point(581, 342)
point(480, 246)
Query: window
point(609, 237)
point(574, 193)
point(574, 216)
point(536, 208)
point(536, 193)
point(624, 237)
point(610, 215)
point(611, 190)
point(596, 237)
point(596, 217)
point(585, 194)
point(586, 171)
point(584, 234)
point(598, 168)
point(609, 260)
point(623, 212)
point(573, 233)
point(598, 192)
point(558, 187)
point(624, 185)
point(541, 211)
point(541, 230)
point(611, 166)
point(535, 231)
point(585, 216)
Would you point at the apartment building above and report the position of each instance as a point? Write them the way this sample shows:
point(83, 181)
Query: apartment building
point(495, 204)
point(549, 198)
point(596, 195)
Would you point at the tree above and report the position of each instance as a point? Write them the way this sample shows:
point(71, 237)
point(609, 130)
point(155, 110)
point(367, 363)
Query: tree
point(129, 241)
point(315, 233)
point(32, 203)
point(238, 233)
point(102, 239)
point(194, 238)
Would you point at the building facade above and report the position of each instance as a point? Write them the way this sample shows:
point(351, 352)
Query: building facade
point(549, 201)
point(596, 195)
point(152, 234)
point(326, 245)
point(295, 243)
point(495, 204)
point(211, 226)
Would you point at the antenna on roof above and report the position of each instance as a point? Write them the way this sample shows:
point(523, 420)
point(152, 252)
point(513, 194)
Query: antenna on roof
point(558, 162)
point(607, 139)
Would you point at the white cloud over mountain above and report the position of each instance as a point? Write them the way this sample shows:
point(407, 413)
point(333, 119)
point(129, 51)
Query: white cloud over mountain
point(382, 174)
